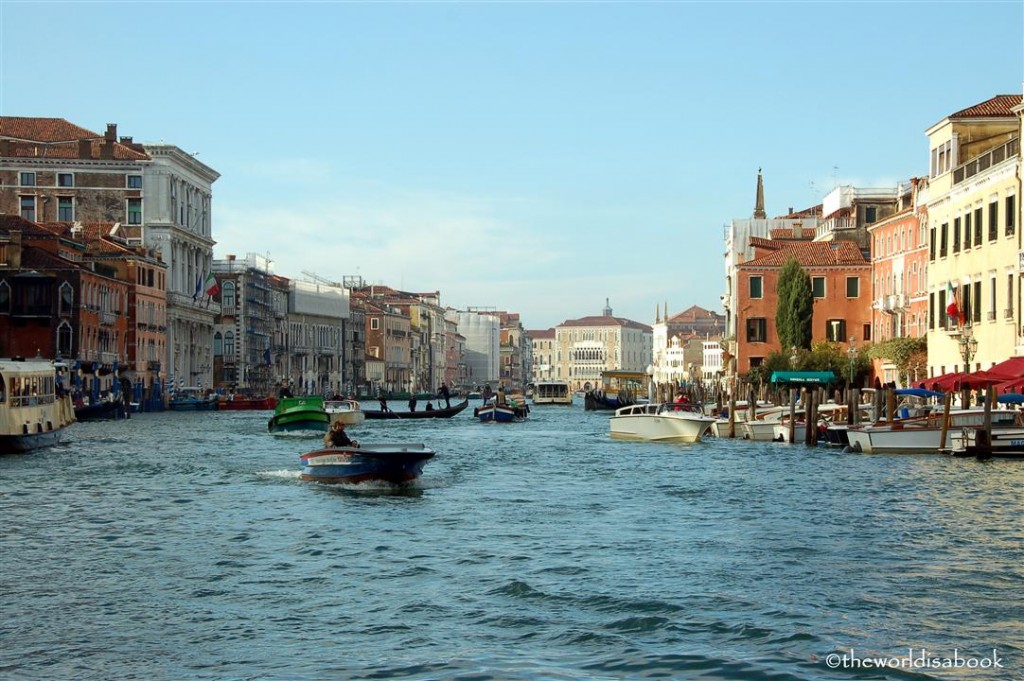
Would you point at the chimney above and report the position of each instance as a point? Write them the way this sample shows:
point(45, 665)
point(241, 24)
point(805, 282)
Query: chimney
point(111, 135)
point(84, 148)
point(127, 141)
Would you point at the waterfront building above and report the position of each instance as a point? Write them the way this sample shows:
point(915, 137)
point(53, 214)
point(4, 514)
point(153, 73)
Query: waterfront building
point(482, 356)
point(545, 356)
point(242, 355)
point(53, 305)
point(899, 273)
point(177, 221)
point(738, 250)
point(317, 312)
point(388, 343)
point(840, 276)
point(974, 242)
point(456, 373)
point(591, 345)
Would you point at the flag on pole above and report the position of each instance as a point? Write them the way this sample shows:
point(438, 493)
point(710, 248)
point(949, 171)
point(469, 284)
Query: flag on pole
point(199, 287)
point(952, 308)
point(211, 285)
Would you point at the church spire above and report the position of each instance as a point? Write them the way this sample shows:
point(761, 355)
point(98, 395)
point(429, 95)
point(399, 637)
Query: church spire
point(657, 314)
point(759, 213)
point(607, 308)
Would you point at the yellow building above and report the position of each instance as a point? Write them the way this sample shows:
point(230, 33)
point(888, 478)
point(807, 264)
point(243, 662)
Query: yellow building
point(586, 347)
point(973, 228)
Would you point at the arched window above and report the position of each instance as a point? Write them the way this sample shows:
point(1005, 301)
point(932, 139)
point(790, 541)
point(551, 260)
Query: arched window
point(227, 296)
point(64, 339)
point(218, 344)
point(5, 297)
point(229, 344)
point(66, 299)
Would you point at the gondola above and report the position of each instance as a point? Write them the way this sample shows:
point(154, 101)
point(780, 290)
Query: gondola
point(445, 413)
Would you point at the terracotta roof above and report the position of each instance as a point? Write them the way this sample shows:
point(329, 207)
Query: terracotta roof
point(601, 320)
point(814, 253)
point(28, 228)
point(539, 334)
point(696, 312)
point(40, 259)
point(999, 106)
point(57, 138)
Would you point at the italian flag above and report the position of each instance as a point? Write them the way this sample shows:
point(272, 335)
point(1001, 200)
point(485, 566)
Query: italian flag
point(952, 309)
point(211, 285)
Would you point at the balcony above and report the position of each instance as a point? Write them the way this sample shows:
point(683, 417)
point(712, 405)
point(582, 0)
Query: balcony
point(107, 318)
point(986, 160)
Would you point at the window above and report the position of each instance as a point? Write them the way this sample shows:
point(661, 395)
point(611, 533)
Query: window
point(218, 344)
point(931, 244)
point(134, 211)
point(818, 287)
point(375, 323)
point(28, 179)
point(65, 208)
point(977, 301)
point(1008, 312)
point(956, 235)
point(757, 330)
point(867, 332)
point(756, 287)
point(977, 226)
point(870, 214)
point(66, 301)
point(943, 239)
point(65, 180)
point(135, 182)
point(853, 287)
point(28, 208)
point(931, 310)
point(992, 300)
point(229, 344)
point(64, 340)
point(5, 296)
point(835, 330)
point(227, 296)
point(1011, 210)
point(993, 221)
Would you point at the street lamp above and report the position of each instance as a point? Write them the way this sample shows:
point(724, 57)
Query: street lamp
point(968, 347)
point(852, 352)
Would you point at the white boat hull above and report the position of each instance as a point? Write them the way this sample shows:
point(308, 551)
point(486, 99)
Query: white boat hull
point(347, 411)
point(919, 437)
point(650, 423)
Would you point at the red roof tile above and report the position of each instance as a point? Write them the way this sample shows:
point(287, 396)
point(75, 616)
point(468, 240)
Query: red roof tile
point(57, 138)
point(602, 320)
point(999, 106)
point(814, 253)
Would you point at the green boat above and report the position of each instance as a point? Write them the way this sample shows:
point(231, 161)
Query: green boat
point(299, 413)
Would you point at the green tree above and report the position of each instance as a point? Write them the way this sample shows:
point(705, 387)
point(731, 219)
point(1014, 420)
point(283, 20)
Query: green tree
point(794, 310)
point(909, 355)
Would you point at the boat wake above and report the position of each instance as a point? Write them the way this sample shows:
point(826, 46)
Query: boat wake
point(280, 475)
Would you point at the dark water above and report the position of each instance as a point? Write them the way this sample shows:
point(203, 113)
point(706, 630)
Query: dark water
point(184, 546)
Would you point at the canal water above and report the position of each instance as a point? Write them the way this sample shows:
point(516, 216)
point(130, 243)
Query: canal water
point(185, 546)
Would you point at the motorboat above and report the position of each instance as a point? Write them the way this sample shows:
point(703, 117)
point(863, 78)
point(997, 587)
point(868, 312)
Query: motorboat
point(921, 434)
point(666, 422)
point(720, 428)
point(510, 411)
point(299, 413)
point(1006, 442)
point(35, 406)
point(392, 463)
point(348, 412)
point(762, 428)
point(192, 398)
point(828, 414)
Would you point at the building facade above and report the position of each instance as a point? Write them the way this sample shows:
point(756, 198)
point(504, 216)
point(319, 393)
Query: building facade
point(591, 345)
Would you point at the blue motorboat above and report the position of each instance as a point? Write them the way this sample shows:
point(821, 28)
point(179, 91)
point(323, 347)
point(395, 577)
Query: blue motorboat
point(393, 463)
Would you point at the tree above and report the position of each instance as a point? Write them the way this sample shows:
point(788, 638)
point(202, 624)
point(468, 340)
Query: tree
point(909, 355)
point(794, 310)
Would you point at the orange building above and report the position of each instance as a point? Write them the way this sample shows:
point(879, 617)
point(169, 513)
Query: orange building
point(840, 280)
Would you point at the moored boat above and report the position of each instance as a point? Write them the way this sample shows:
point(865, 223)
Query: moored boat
point(670, 422)
point(102, 410)
point(1006, 443)
point(392, 463)
point(192, 399)
point(245, 403)
point(35, 406)
point(299, 413)
point(921, 434)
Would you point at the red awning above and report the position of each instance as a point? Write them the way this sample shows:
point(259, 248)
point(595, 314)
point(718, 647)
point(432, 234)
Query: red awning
point(1008, 370)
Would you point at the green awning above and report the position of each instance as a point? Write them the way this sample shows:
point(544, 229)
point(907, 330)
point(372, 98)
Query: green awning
point(804, 377)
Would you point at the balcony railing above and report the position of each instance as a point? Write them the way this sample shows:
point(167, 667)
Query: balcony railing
point(986, 160)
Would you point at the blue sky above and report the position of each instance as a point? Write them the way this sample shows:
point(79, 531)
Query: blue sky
point(534, 157)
